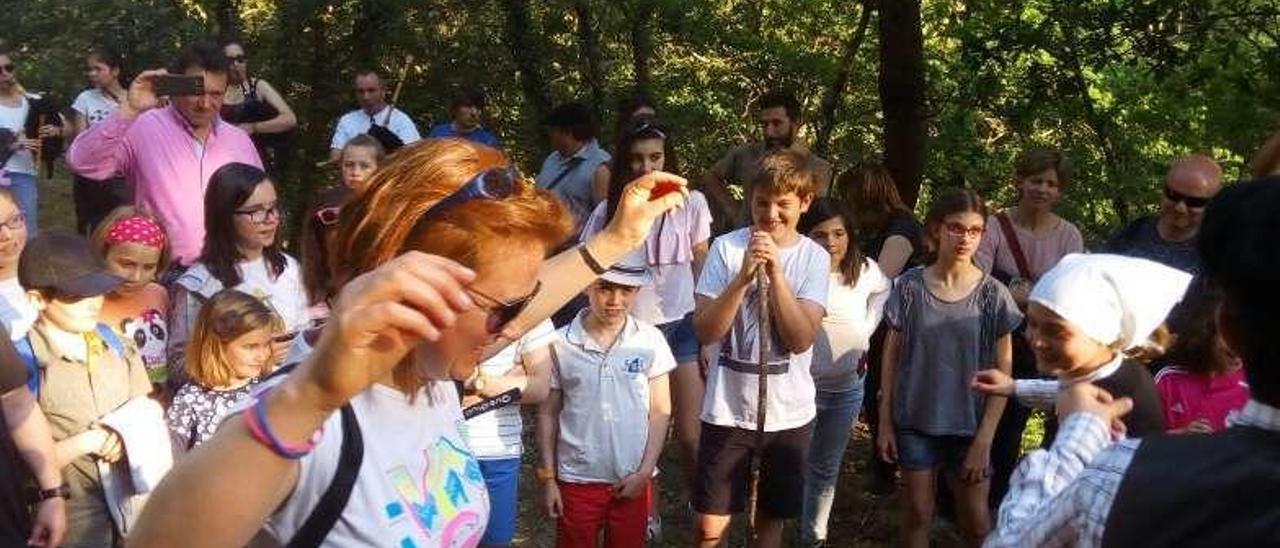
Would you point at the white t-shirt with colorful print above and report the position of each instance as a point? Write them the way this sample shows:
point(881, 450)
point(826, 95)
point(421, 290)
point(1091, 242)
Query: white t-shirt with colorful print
point(419, 485)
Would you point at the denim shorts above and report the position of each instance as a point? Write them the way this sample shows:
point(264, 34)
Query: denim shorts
point(681, 338)
point(918, 451)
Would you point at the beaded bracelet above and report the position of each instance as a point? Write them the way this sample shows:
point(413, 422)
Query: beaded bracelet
point(256, 420)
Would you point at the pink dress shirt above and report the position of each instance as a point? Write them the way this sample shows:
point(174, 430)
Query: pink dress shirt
point(165, 165)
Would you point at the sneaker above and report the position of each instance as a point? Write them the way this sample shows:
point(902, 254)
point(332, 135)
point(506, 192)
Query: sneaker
point(653, 532)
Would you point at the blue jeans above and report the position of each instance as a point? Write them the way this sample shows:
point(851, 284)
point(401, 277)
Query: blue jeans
point(837, 412)
point(502, 478)
point(24, 189)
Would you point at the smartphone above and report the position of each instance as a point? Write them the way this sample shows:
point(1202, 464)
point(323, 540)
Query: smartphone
point(662, 189)
point(178, 84)
point(285, 337)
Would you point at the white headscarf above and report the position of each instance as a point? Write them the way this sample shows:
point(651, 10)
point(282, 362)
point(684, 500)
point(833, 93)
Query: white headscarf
point(1111, 298)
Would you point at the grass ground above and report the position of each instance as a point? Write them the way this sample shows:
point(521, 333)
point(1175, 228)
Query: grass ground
point(858, 519)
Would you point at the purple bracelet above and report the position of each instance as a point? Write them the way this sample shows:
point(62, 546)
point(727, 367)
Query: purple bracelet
point(256, 420)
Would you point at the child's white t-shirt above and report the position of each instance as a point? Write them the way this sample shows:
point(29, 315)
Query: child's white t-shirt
point(496, 435)
point(604, 421)
point(730, 398)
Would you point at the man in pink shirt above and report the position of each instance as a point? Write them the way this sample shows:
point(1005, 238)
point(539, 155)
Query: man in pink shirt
point(167, 153)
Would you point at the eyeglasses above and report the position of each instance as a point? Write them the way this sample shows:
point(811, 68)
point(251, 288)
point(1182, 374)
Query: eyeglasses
point(8, 67)
point(491, 184)
point(959, 230)
point(501, 313)
point(1189, 201)
point(328, 216)
point(261, 215)
point(237, 58)
point(15, 222)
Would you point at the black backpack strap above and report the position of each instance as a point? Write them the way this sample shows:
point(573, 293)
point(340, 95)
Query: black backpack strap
point(334, 500)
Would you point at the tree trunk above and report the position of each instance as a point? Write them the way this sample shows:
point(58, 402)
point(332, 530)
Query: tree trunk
point(519, 39)
point(902, 94)
point(370, 31)
point(227, 14)
point(831, 97)
point(642, 44)
point(589, 51)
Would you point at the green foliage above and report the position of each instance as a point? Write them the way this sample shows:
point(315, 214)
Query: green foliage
point(1122, 85)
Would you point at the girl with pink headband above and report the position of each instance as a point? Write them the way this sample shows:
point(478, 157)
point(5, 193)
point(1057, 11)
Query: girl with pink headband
point(134, 247)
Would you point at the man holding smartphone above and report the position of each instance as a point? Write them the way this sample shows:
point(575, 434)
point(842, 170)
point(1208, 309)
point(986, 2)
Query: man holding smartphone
point(166, 153)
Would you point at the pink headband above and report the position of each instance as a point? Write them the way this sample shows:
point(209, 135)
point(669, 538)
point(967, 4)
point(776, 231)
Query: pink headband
point(137, 230)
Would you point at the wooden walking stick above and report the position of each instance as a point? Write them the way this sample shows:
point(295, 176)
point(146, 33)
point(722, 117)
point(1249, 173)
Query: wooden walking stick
point(395, 95)
point(763, 340)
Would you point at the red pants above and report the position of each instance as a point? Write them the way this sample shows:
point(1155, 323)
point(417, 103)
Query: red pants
point(589, 507)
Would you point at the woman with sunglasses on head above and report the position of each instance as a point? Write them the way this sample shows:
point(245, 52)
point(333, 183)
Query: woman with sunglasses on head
point(318, 232)
point(441, 261)
point(255, 106)
point(1021, 244)
point(674, 251)
point(241, 251)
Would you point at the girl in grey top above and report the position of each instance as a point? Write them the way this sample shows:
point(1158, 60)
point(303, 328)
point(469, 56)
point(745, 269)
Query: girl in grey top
point(947, 321)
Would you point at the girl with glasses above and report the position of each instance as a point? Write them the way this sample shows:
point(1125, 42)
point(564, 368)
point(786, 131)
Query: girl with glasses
point(947, 321)
point(241, 251)
point(16, 311)
point(409, 321)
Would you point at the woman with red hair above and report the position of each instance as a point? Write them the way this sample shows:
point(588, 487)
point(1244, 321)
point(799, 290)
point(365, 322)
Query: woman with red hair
point(444, 252)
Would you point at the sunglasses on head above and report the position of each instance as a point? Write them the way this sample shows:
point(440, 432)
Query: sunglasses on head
point(959, 230)
point(1189, 201)
point(8, 67)
point(648, 129)
point(490, 184)
point(328, 216)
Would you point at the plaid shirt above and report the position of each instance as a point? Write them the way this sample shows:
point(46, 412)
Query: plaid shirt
point(1062, 496)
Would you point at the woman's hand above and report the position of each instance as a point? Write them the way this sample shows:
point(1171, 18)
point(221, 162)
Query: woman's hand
point(993, 382)
point(379, 318)
point(977, 461)
point(636, 212)
point(48, 131)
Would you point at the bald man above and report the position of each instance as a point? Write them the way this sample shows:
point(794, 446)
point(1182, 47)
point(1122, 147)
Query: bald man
point(1170, 236)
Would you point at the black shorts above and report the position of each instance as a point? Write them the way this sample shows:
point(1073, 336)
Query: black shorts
point(724, 470)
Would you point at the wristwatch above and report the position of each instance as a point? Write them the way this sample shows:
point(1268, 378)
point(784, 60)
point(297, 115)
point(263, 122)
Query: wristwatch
point(545, 474)
point(61, 491)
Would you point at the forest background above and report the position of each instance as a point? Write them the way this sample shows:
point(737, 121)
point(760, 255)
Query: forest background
point(946, 92)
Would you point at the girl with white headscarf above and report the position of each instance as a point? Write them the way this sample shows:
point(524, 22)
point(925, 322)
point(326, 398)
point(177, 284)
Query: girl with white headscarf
point(1082, 317)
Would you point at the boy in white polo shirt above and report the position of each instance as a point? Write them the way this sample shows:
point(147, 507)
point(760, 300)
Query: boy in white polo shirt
point(602, 427)
point(725, 319)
